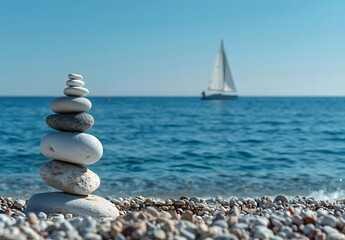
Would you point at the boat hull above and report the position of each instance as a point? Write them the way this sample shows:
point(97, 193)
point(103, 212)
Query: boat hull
point(219, 97)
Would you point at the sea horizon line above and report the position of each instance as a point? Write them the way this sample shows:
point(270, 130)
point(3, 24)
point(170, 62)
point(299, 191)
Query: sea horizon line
point(176, 96)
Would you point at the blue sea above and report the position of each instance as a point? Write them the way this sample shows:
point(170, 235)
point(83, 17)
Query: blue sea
point(174, 146)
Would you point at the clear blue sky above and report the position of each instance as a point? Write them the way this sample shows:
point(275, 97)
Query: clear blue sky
point(275, 47)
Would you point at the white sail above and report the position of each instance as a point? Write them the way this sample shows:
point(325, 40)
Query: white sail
point(229, 84)
point(221, 79)
point(216, 83)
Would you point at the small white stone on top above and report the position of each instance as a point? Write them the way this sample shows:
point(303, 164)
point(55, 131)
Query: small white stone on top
point(75, 76)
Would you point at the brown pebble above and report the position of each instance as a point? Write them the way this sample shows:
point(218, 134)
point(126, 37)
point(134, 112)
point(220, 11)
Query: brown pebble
point(187, 215)
point(307, 220)
point(128, 230)
point(165, 208)
point(8, 212)
point(168, 225)
point(32, 218)
point(233, 220)
point(116, 228)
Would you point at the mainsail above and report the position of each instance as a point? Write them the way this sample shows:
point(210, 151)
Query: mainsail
point(222, 79)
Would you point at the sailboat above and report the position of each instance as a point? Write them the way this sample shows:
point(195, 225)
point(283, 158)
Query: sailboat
point(222, 85)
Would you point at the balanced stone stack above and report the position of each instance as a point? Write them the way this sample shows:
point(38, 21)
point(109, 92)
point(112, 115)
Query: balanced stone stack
point(70, 149)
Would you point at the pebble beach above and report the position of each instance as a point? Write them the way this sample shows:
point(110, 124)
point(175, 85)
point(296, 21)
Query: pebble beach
point(185, 218)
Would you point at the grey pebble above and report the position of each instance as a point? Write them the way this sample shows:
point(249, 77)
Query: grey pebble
point(308, 229)
point(281, 198)
point(19, 214)
point(92, 236)
point(119, 236)
point(221, 223)
point(329, 221)
point(42, 215)
point(19, 203)
point(159, 234)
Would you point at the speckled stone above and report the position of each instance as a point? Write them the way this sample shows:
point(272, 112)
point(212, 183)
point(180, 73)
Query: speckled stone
point(83, 206)
point(70, 122)
point(70, 178)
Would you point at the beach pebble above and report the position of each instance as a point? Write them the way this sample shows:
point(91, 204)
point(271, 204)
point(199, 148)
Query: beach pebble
point(70, 178)
point(262, 222)
point(297, 219)
point(281, 198)
point(308, 229)
point(70, 122)
point(76, 91)
point(70, 105)
point(52, 202)
point(75, 83)
point(329, 221)
point(42, 215)
point(159, 234)
point(75, 76)
point(79, 148)
point(188, 216)
point(262, 232)
point(20, 214)
point(153, 212)
point(19, 203)
point(221, 223)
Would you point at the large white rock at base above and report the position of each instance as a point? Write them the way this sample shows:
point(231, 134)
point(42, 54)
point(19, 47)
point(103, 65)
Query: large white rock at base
point(76, 91)
point(82, 206)
point(70, 178)
point(75, 76)
point(73, 147)
point(75, 83)
point(70, 105)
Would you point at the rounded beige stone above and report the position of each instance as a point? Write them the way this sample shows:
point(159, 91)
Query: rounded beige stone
point(70, 178)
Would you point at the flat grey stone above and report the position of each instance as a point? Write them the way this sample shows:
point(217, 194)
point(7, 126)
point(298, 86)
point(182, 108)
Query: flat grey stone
point(70, 122)
point(83, 206)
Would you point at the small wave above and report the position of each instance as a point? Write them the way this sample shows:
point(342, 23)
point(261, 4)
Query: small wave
point(190, 154)
point(251, 141)
point(192, 142)
point(324, 151)
point(335, 139)
point(134, 161)
point(271, 123)
point(191, 166)
point(246, 154)
point(328, 195)
point(171, 125)
point(333, 133)
point(178, 157)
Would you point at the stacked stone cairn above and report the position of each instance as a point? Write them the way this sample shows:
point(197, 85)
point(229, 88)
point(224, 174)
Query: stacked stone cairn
point(70, 149)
